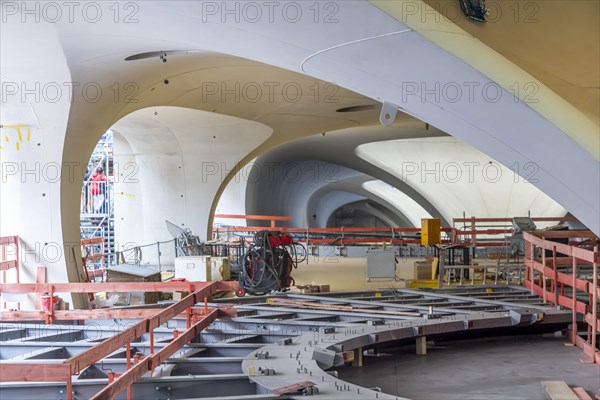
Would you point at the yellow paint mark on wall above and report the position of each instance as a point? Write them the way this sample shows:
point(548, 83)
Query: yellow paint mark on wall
point(19, 134)
point(125, 194)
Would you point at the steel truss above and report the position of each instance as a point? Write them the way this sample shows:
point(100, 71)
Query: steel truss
point(273, 342)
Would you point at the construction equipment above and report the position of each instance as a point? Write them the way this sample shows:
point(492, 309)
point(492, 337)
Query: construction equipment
point(186, 243)
point(267, 266)
point(517, 243)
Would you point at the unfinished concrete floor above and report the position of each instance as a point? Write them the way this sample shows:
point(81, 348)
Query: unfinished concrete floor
point(347, 273)
point(499, 368)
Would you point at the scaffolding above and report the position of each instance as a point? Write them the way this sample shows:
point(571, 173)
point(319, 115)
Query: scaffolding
point(97, 207)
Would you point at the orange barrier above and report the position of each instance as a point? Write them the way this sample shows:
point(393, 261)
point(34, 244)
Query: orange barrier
point(466, 236)
point(473, 226)
point(196, 321)
point(91, 257)
point(6, 265)
point(271, 218)
point(548, 277)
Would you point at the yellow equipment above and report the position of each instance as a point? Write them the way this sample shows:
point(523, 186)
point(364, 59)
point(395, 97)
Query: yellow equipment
point(430, 231)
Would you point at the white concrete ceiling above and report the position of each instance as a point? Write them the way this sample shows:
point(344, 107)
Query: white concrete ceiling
point(457, 178)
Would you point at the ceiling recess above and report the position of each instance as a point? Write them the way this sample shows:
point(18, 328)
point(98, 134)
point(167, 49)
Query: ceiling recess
point(356, 108)
point(158, 54)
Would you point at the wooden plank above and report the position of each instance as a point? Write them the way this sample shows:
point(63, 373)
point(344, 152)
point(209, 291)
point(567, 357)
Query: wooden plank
point(95, 353)
point(40, 277)
point(330, 307)
point(539, 219)
point(6, 265)
point(106, 287)
point(100, 314)
point(132, 375)
point(255, 217)
point(6, 240)
point(589, 318)
point(559, 390)
point(15, 372)
point(581, 393)
point(293, 388)
point(104, 348)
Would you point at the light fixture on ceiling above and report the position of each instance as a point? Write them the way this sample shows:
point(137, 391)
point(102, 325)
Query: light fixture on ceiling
point(474, 9)
point(161, 54)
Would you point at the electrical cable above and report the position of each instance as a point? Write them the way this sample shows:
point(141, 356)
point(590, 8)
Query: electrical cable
point(276, 257)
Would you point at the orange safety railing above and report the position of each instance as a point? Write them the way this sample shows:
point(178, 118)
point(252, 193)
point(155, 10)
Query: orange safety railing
point(92, 251)
point(466, 230)
point(359, 235)
point(197, 319)
point(13, 264)
point(272, 218)
point(567, 275)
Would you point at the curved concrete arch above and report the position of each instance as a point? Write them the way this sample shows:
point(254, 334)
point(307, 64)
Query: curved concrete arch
point(338, 148)
point(367, 208)
point(373, 59)
point(328, 203)
point(458, 178)
point(399, 200)
point(322, 205)
point(180, 157)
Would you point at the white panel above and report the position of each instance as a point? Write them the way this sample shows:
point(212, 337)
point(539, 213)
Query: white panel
point(457, 178)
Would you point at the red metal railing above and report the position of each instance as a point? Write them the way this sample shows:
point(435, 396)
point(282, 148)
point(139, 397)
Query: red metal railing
point(197, 319)
point(560, 276)
point(466, 230)
point(272, 218)
point(13, 264)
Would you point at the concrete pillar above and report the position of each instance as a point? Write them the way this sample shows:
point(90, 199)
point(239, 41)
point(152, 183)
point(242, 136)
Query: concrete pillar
point(421, 343)
point(358, 357)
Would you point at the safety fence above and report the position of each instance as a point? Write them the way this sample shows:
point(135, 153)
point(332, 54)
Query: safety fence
point(486, 232)
point(562, 268)
point(197, 319)
point(471, 232)
point(10, 263)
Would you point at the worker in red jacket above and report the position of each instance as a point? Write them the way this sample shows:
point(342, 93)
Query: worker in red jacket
point(97, 188)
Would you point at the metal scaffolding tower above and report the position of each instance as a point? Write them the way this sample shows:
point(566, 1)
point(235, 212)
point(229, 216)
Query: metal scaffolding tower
point(97, 207)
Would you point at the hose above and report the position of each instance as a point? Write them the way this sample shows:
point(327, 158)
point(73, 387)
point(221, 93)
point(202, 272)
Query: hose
point(274, 259)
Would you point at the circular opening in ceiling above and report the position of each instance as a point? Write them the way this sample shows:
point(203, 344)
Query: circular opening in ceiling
point(356, 108)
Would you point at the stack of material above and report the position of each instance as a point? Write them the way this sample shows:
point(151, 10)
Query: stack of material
point(134, 273)
point(559, 390)
point(311, 288)
point(422, 270)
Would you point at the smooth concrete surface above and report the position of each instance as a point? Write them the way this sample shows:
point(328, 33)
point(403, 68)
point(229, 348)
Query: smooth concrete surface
point(489, 368)
point(347, 273)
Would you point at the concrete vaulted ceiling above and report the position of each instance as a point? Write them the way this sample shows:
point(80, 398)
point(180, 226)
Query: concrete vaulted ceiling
point(420, 174)
point(371, 52)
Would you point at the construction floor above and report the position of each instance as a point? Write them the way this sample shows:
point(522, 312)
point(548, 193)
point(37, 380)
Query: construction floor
point(498, 368)
point(350, 273)
point(347, 273)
